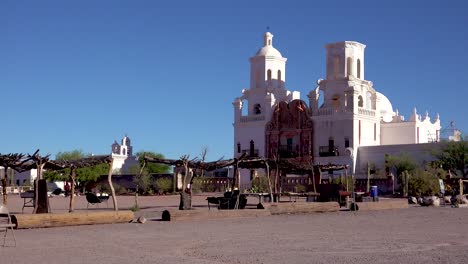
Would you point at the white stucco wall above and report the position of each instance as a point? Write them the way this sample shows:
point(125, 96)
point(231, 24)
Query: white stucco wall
point(398, 133)
point(375, 155)
point(26, 177)
point(328, 127)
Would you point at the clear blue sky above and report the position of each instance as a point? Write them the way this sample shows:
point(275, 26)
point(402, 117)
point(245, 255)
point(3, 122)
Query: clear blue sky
point(81, 74)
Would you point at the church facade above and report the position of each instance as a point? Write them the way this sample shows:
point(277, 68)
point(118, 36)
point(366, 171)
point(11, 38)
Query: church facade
point(344, 114)
point(122, 155)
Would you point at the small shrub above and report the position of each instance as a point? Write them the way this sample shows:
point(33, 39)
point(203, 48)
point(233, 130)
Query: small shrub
point(135, 208)
point(260, 185)
point(119, 189)
point(423, 183)
point(196, 187)
point(208, 187)
point(300, 188)
point(163, 185)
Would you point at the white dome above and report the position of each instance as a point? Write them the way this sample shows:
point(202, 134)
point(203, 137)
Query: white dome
point(386, 109)
point(268, 51)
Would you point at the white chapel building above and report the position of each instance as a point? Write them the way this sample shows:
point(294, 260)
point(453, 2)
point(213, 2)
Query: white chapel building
point(352, 122)
point(122, 155)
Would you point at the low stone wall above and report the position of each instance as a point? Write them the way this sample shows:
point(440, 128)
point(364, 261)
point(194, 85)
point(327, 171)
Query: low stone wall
point(270, 209)
point(202, 214)
point(303, 208)
point(384, 204)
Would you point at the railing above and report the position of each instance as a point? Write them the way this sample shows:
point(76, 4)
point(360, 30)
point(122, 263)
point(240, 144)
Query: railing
point(368, 112)
point(246, 119)
point(324, 111)
point(329, 111)
point(213, 184)
point(290, 184)
point(286, 151)
point(327, 151)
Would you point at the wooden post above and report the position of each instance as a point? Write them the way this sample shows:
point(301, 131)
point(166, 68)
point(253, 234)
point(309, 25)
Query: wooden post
point(368, 178)
point(72, 189)
point(276, 179)
point(44, 200)
point(317, 176)
point(234, 176)
point(186, 193)
point(42, 206)
point(269, 181)
point(238, 180)
point(4, 185)
point(461, 187)
point(109, 180)
point(346, 177)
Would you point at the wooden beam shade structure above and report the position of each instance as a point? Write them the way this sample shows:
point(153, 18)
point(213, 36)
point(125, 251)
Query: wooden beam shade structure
point(73, 165)
point(192, 164)
point(20, 163)
point(12, 161)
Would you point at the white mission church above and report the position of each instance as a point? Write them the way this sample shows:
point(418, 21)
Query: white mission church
point(346, 121)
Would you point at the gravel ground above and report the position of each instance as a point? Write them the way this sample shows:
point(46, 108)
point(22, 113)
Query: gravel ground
point(414, 235)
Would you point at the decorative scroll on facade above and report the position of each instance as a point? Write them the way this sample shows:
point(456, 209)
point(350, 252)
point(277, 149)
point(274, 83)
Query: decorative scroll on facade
point(289, 134)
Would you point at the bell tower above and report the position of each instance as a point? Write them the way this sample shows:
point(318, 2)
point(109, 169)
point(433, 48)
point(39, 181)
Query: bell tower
point(267, 67)
point(253, 110)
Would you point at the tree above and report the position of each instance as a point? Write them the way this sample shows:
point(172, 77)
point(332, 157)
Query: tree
point(401, 163)
point(152, 168)
point(404, 166)
point(189, 166)
point(83, 175)
point(454, 157)
point(142, 172)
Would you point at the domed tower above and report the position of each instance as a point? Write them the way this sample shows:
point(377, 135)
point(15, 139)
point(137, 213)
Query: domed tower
point(254, 108)
point(349, 116)
point(267, 67)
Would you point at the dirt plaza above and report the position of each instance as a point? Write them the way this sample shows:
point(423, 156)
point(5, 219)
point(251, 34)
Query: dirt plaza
point(413, 235)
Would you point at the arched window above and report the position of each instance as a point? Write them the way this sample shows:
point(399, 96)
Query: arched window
point(269, 75)
point(331, 145)
point(244, 108)
point(349, 66)
point(279, 79)
point(238, 148)
point(252, 148)
point(359, 68)
point(360, 101)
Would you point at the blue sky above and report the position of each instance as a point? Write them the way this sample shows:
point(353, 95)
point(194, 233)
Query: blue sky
point(81, 74)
